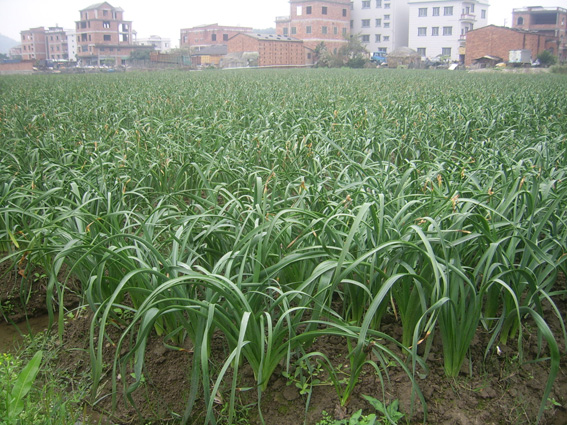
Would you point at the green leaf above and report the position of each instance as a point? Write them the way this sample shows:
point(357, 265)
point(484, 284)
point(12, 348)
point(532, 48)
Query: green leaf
point(23, 385)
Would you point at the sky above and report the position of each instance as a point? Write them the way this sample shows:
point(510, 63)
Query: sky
point(166, 17)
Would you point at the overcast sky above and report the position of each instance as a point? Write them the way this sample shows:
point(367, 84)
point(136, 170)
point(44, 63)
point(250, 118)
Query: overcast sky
point(167, 17)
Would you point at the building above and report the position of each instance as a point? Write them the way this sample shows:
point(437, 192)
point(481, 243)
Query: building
point(44, 44)
point(15, 53)
point(57, 47)
point(547, 21)
point(209, 35)
point(272, 50)
point(34, 47)
point(316, 22)
point(438, 28)
point(382, 25)
point(160, 44)
point(209, 56)
point(72, 44)
point(497, 42)
point(103, 36)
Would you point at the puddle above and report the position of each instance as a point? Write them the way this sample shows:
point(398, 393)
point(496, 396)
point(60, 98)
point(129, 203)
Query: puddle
point(11, 335)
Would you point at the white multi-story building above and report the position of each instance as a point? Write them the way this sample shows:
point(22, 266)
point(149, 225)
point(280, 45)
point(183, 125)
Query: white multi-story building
point(382, 25)
point(438, 28)
point(163, 45)
point(72, 44)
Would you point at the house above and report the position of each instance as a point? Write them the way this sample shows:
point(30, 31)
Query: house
point(438, 28)
point(382, 25)
point(271, 49)
point(547, 21)
point(103, 36)
point(209, 35)
point(316, 22)
point(45, 44)
point(497, 41)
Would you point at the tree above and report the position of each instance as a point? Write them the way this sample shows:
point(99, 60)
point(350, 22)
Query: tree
point(352, 54)
point(141, 55)
point(546, 58)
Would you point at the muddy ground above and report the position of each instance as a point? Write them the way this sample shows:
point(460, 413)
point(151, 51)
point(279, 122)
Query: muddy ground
point(497, 390)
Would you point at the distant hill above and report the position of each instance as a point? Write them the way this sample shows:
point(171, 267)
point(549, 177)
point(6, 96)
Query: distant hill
point(265, 31)
point(6, 43)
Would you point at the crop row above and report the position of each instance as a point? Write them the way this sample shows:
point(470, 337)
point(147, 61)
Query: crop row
point(277, 207)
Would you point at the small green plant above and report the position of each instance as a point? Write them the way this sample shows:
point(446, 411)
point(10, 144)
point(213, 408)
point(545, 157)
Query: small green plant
point(12, 399)
point(357, 418)
point(390, 412)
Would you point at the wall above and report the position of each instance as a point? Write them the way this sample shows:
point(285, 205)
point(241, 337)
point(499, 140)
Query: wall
point(498, 41)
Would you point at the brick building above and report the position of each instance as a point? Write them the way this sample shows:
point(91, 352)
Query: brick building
point(209, 35)
point(45, 44)
point(550, 22)
point(273, 50)
point(103, 36)
point(498, 41)
point(317, 21)
point(57, 46)
point(382, 25)
point(34, 44)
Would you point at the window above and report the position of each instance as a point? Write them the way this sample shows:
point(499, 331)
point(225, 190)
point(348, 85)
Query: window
point(386, 17)
point(448, 11)
point(299, 10)
point(386, 5)
point(336, 30)
point(366, 23)
point(366, 4)
point(435, 31)
point(344, 12)
point(83, 37)
point(324, 10)
point(377, 38)
point(213, 37)
point(324, 29)
point(378, 23)
point(436, 11)
point(447, 30)
point(386, 38)
point(422, 11)
point(225, 37)
point(472, 8)
point(483, 13)
point(378, 4)
point(308, 30)
point(293, 30)
point(520, 21)
point(446, 51)
point(105, 12)
point(106, 24)
point(107, 37)
point(366, 38)
point(421, 51)
point(308, 10)
point(351, 24)
point(422, 31)
point(83, 25)
point(285, 32)
point(125, 27)
point(344, 31)
point(386, 25)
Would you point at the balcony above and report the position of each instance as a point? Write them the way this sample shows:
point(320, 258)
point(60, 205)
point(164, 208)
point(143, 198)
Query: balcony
point(282, 19)
point(468, 17)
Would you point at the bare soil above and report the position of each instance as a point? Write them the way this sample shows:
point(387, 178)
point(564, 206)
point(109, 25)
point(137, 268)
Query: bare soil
point(498, 389)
